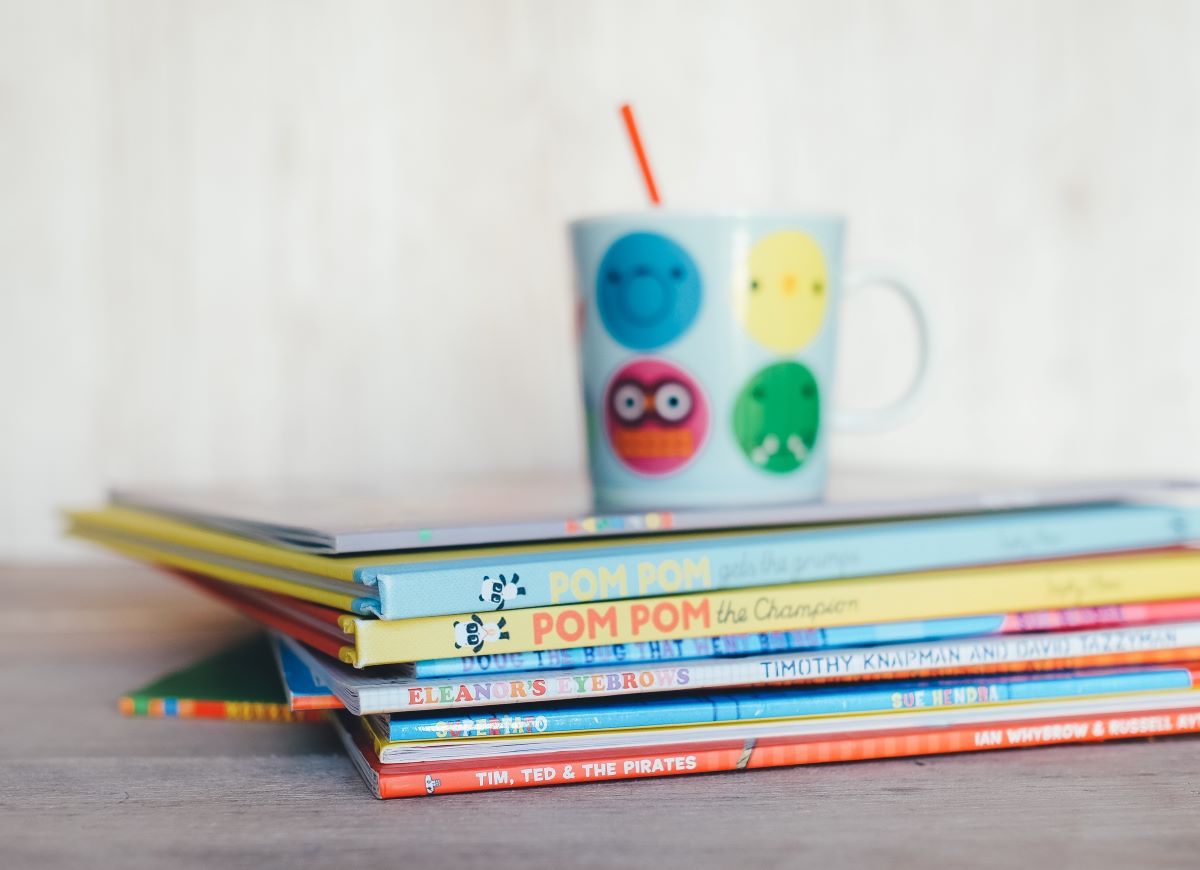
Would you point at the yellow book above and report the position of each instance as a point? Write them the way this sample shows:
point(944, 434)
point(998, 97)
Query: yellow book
point(825, 604)
point(819, 604)
point(337, 594)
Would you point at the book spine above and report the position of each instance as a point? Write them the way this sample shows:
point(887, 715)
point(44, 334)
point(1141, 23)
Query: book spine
point(1172, 642)
point(514, 581)
point(1138, 613)
point(822, 638)
point(303, 692)
point(494, 723)
point(189, 708)
point(783, 704)
point(820, 604)
point(307, 703)
point(777, 752)
point(713, 647)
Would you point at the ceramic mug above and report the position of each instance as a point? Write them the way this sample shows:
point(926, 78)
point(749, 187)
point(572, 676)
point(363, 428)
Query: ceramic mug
point(707, 353)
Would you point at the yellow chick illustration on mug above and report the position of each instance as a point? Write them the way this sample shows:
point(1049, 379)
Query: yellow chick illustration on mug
point(779, 295)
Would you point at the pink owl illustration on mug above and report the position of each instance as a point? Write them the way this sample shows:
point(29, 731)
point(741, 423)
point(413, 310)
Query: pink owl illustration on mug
point(655, 416)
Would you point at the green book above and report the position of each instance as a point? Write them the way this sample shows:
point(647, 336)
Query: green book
point(239, 682)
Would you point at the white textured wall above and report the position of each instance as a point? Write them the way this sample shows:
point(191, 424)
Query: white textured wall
point(325, 241)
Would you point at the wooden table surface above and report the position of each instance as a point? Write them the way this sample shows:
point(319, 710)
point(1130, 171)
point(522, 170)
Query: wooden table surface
point(82, 787)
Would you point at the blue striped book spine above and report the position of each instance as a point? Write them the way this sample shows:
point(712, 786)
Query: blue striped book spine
point(709, 647)
point(783, 704)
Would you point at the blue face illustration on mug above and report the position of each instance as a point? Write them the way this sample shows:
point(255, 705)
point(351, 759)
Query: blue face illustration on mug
point(647, 290)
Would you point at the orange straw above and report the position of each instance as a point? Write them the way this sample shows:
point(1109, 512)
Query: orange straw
point(647, 175)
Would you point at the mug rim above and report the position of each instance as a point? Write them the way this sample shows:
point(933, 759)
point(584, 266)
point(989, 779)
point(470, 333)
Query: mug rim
point(697, 214)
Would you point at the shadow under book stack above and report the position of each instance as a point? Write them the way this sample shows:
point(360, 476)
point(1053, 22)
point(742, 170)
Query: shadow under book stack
point(477, 657)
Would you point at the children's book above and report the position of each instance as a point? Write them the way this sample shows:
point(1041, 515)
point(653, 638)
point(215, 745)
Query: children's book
point(387, 690)
point(739, 645)
point(502, 579)
point(812, 639)
point(749, 747)
point(1120, 579)
point(239, 682)
point(300, 685)
point(449, 513)
point(576, 724)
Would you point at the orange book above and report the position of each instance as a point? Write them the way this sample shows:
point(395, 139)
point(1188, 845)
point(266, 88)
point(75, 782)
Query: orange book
point(867, 737)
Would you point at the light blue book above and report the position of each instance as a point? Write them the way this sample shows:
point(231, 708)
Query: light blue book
point(739, 559)
point(782, 703)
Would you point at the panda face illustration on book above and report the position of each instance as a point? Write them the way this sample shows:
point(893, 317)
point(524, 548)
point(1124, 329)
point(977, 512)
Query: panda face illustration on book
point(500, 590)
point(474, 633)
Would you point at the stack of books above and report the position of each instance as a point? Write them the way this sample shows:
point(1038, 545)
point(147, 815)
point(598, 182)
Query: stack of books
point(489, 649)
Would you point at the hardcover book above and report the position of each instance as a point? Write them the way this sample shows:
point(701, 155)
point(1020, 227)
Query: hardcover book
point(803, 742)
point(812, 639)
point(1160, 576)
point(499, 730)
point(516, 577)
point(239, 682)
point(297, 674)
point(386, 690)
point(453, 513)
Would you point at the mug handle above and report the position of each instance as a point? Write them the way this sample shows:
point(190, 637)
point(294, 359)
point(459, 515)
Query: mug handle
point(877, 419)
